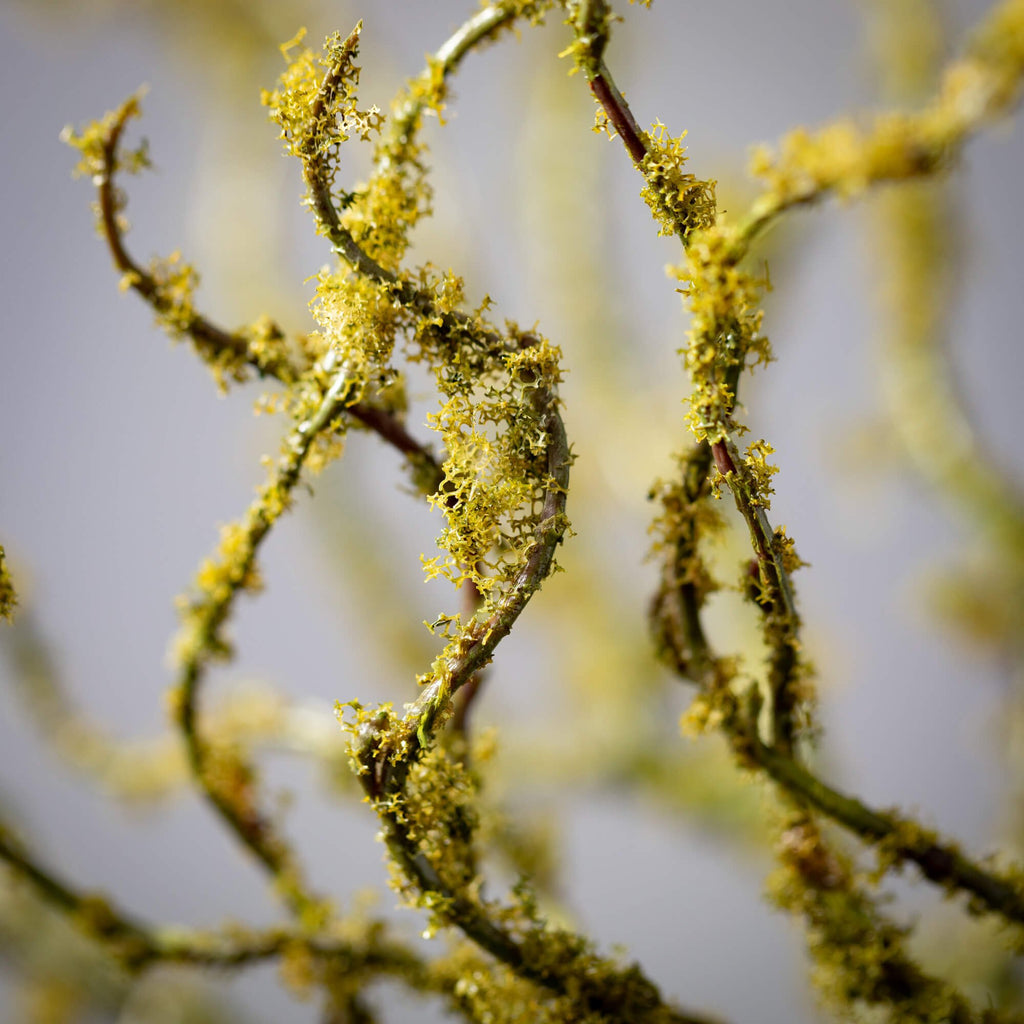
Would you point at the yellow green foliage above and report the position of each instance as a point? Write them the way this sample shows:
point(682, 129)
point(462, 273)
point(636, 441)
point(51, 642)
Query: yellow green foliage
point(8, 596)
point(725, 330)
point(315, 102)
point(679, 200)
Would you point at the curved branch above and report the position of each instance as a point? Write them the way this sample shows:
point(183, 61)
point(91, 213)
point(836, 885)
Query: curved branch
point(777, 600)
point(213, 340)
point(201, 640)
point(317, 174)
point(206, 335)
point(984, 84)
point(387, 751)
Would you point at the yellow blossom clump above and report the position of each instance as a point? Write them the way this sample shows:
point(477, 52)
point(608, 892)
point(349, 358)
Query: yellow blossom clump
point(315, 107)
point(725, 332)
point(8, 597)
point(680, 201)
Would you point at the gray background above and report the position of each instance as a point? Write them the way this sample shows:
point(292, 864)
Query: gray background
point(118, 460)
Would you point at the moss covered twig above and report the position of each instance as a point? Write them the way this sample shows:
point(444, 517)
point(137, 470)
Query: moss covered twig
point(725, 336)
point(898, 839)
point(557, 961)
point(316, 115)
point(844, 159)
point(168, 286)
point(140, 946)
point(387, 758)
point(127, 938)
point(726, 331)
point(685, 580)
point(388, 752)
point(8, 595)
point(859, 956)
point(471, 689)
point(220, 581)
point(919, 246)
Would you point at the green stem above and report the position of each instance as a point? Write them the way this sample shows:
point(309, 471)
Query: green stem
point(940, 861)
point(207, 618)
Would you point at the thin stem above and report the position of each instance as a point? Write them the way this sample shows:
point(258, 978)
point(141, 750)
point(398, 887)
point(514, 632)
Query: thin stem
point(203, 332)
point(316, 171)
point(467, 696)
point(615, 106)
point(782, 621)
point(202, 641)
point(128, 939)
point(675, 611)
point(981, 86)
point(141, 946)
point(209, 337)
point(383, 776)
point(481, 27)
point(939, 860)
point(388, 753)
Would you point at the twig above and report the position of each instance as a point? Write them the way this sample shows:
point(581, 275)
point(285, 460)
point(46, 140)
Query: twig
point(210, 338)
point(781, 619)
point(900, 839)
point(201, 640)
point(140, 946)
point(467, 696)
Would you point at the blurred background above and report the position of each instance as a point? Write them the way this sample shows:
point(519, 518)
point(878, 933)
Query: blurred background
point(119, 460)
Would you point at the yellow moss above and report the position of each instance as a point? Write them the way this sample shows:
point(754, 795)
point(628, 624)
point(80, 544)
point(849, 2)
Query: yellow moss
point(92, 142)
point(845, 157)
point(314, 105)
point(786, 550)
point(8, 596)
point(725, 332)
point(298, 969)
point(760, 472)
point(680, 201)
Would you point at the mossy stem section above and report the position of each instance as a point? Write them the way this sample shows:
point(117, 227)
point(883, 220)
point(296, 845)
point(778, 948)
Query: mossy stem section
point(781, 619)
point(975, 90)
point(140, 946)
point(208, 336)
point(250, 826)
point(205, 334)
point(387, 751)
point(940, 861)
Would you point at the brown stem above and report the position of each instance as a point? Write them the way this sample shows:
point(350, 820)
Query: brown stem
point(621, 117)
point(210, 337)
point(467, 695)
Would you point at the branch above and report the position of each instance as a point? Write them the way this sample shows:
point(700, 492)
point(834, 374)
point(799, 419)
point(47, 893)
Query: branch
point(860, 956)
point(128, 939)
point(477, 643)
point(471, 689)
point(8, 595)
point(314, 149)
point(200, 641)
point(899, 839)
point(716, 358)
point(212, 342)
point(140, 947)
point(388, 750)
point(260, 346)
point(980, 87)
